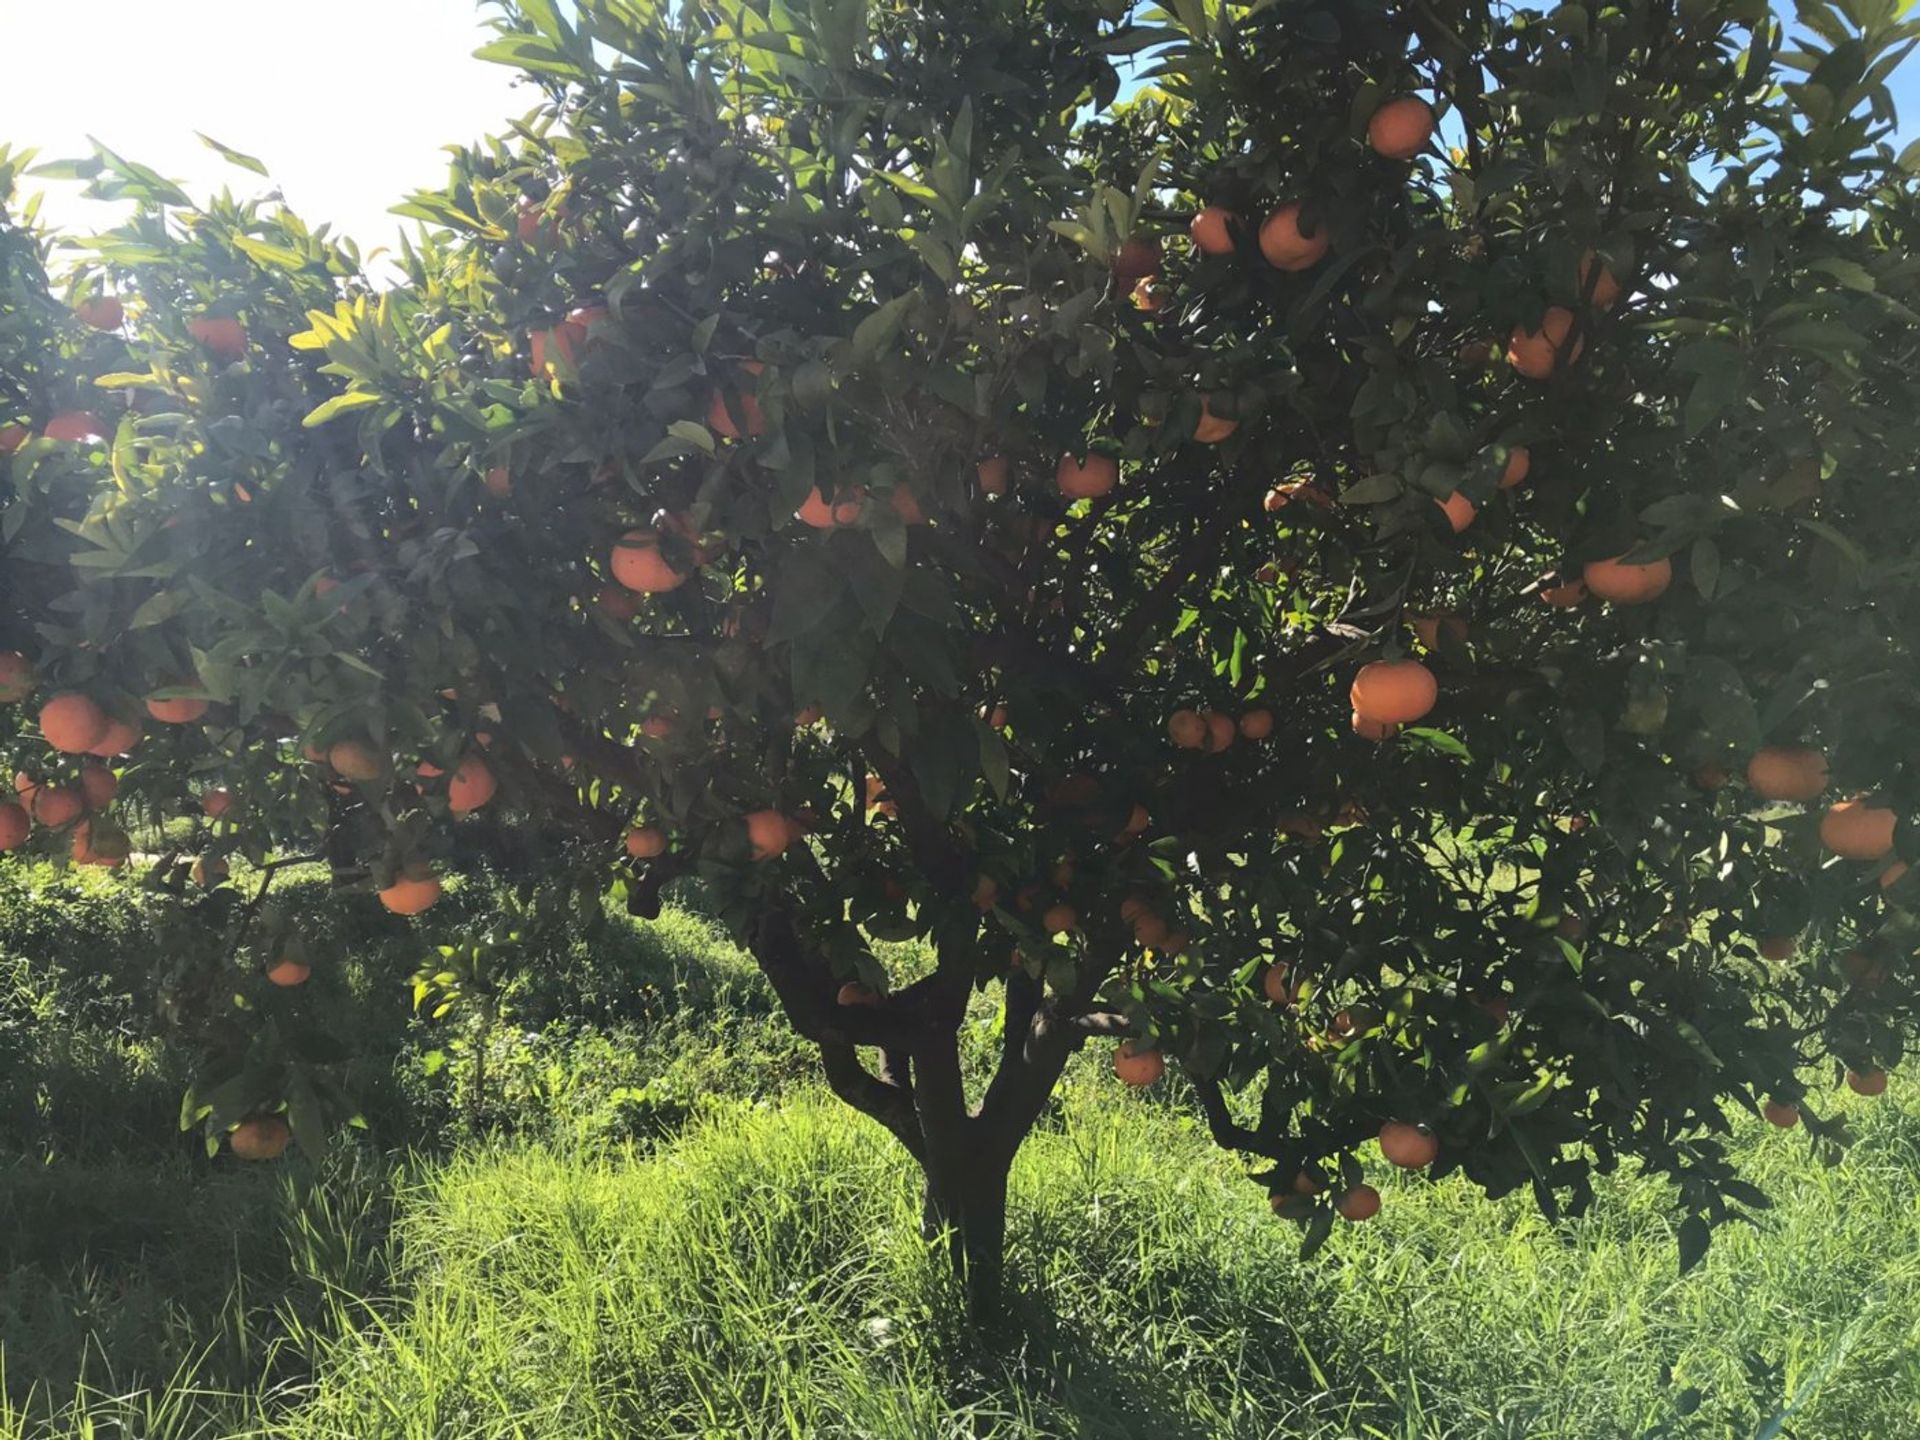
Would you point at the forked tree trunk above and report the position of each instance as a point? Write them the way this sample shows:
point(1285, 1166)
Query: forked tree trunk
point(966, 1205)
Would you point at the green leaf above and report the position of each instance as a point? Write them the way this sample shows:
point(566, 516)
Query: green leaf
point(277, 257)
point(530, 53)
point(993, 758)
point(230, 155)
point(1694, 1236)
point(876, 332)
point(340, 405)
point(1373, 489)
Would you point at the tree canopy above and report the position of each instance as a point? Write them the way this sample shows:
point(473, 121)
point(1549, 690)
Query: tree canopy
point(1356, 545)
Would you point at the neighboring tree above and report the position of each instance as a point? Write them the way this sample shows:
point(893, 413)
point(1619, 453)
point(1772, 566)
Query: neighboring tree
point(1372, 567)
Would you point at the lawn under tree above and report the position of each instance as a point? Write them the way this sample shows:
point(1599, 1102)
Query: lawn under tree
point(1044, 717)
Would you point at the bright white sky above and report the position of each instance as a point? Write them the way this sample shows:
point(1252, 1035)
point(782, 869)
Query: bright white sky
point(348, 102)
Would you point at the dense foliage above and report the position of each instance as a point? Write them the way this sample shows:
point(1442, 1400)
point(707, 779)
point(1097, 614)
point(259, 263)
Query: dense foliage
point(806, 455)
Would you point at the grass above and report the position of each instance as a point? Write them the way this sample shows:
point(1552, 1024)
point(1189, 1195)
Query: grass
point(668, 1229)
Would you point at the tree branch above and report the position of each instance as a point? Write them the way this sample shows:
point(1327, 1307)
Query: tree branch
point(890, 1104)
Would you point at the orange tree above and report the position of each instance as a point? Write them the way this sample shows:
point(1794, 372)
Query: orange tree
point(1369, 566)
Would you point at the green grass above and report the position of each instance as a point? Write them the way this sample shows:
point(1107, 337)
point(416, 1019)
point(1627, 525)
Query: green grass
point(655, 1223)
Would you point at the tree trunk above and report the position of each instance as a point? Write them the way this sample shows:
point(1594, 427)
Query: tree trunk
point(966, 1203)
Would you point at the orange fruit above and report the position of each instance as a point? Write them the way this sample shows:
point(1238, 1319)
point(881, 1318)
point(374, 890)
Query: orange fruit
point(993, 475)
point(1220, 732)
point(1212, 230)
point(1138, 820)
point(216, 803)
point(1278, 985)
point(72, 723)
point(1411, 1147)
point(646, 841)
point(1459, 511)
point(1619, 583)
point(1188, 729)
point(1394, 692)
point(1284, 495)
point(1059, 919)
point(1150, 295)
point(617, 603)
point(264, 1137)
point(1442, 623)
point(1086, 477)
point(75, 425)
point(1536, 354)
point(1564, 595)
point(1606, 289)
point(1257, 724)
point(98, 786)
point(768, 833)
point(498, 482)
point(101, 312)
point(109, 849)
point(12, 437)
point(639, 565)
point(1286, 246)
point(14, 826)
point(1212, 428)
point(1777, 947)
point(848, 503)
point(721, 411)
point(1362, 1202)
point(408, 895)
point(1375, 730)
point(1785, 1117)
point(356, 760)
point(288, 972)
point(208, 872)
point(1519, 464)
point(1855, 830)
point(472, 785)
point(181, 711)
point(906, 505)
point(57, 805)
point(1708, 777)
point(1307, 1182)
point(1401, 128)
point(854, 993)
point(1869, 1083)
point(1137, 1066)
point(219, 335)
point(986, 893)
point(1894, 874)
point(1787, 772)
point(1135, 260)
point(16, 677)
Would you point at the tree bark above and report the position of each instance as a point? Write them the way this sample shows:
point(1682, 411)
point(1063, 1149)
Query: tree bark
point(966, 1205)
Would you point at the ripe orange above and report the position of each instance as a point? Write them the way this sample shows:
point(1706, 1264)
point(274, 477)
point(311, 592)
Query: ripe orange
point(109, 849)
point(768, 833)
point(72, 723)
point(1855, 830)
point(993, 475)
point(98, 786)
point(1135, 260)
point(14, 826)
point(219, 335)
point(1893, 874)
point(854, 993)
point(1869, 1083)
point(657, 727)
point(1138, 819)
point(646, 841)
point(1606, 288)
point(16, 677)
point(75, 425)
point(1137, 1066)
point(746, 405)
point(1624, 584)
point(1777, 947)
point(1564, 595)
point(1086, 477)
point(1401, 128)
point(1257, 724)
point(356, 760)
point(1150, 295)
point(1459, 511)
point(216, 803)
point(101, 312)
point(1708, 777)
point(1286, 246)
point(1307, 1182)
point(1537, 353)
point(264, 1137)
point(875, 792)
point(848, 503)
point(906, 505)
point(1150, 930)
point(1212, 428)
point(208, 872)
point(408, 895)
point(1284, 495)
point(1394, 692)
point(12, 437)
point(182, 711)
point(1212, 230)
point(288, 972)
point(472, 785)
point(1787, 772)
point(1411, 1147)
point(639, 565)
point(1278, 985)
point(1188, 728)
point(1784, 1117)
point(1220, 732)
point(1375, 730)
point(1362, 1202)
point(57, 805)
point(1059, 919)
point(1519, 464)
point(1442, 623)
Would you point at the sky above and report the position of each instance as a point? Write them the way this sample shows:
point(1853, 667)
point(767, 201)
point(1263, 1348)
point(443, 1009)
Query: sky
point(348, 102)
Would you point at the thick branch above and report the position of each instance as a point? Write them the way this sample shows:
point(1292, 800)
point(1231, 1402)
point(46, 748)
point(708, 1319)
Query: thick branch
point(1228, 1133)
point(890, 1104)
